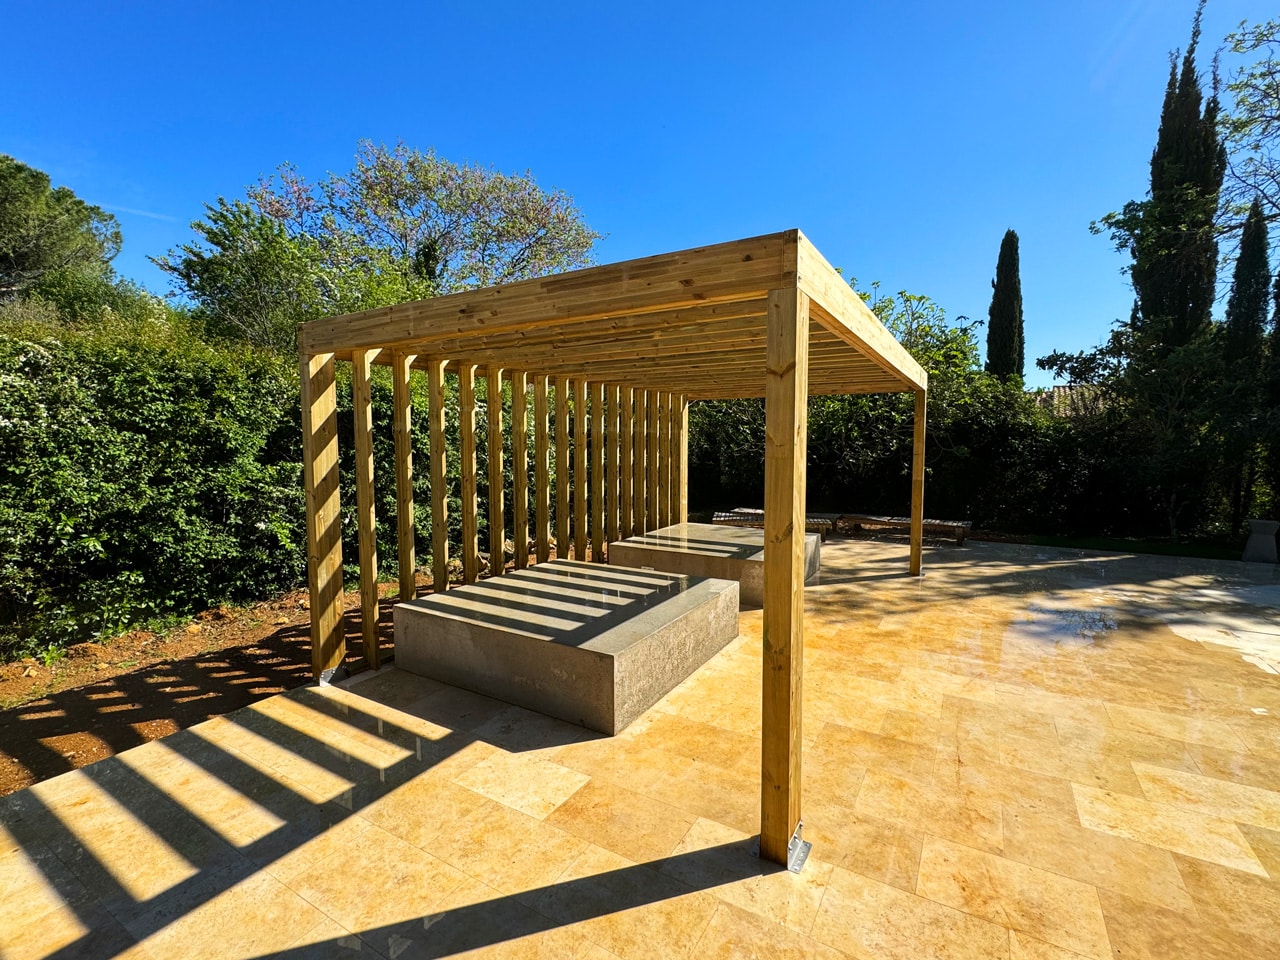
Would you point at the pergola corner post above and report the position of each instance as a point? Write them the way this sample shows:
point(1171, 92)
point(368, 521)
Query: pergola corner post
point(366, 515)
point(917, 483)
point(786, 414)
point(401, 368)
point(324, 515)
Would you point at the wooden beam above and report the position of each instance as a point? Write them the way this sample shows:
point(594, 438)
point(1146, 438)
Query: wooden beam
point(917, 484)
point(401, 398)
point(470, 524)
point(324, 514)
point(640, 469)
point(541, 471)
point(497, 512)
point(520, 465)
point(562, 468)
point(664, 459)
point(626, 416)
point(726, 272)
point(786, 410)
point(682, 460)
point(653, 407)
point(615, 459)
point(597, 472)
point(366, 519)
point(438, 459)
point(580, 483)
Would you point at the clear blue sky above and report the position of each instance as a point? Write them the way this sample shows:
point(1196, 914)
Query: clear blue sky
point(902, 138)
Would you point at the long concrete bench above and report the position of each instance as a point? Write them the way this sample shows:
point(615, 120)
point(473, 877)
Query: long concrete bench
point(869, 521)
point(590, 644)
point(710, 550)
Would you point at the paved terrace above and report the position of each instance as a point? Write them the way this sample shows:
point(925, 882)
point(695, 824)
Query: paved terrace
point(1031, 753)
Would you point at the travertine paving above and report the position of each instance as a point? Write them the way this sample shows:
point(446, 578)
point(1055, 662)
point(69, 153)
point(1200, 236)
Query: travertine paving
point(1030, 753)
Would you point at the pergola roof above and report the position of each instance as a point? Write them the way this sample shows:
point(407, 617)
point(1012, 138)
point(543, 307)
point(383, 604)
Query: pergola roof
point(692, 322)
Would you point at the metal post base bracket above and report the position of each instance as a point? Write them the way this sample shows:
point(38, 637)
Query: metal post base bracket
point(798, 850)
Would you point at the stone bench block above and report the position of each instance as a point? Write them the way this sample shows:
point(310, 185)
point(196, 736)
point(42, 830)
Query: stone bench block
point(592, 644)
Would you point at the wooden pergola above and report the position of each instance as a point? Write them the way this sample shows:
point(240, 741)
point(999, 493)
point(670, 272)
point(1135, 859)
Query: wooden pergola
point(762, 317)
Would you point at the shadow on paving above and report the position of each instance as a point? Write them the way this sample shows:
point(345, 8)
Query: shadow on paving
point(115, 920)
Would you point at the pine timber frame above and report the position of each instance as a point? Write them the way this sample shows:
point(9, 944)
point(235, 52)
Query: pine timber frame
point(762, 317)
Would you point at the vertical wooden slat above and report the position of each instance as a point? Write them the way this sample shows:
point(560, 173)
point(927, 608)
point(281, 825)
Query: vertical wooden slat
point(786, 406)
point(562, 468)
point(401, 398)
point(324, 513)
point(366, 518)
point(597, 472)
point(917, 484)
point(625, 470)
point(580, 470)
point(652, 405)
point(639, 465)
point(497, 512)
point(664, 460)
point(615, 459)
point(520, 465)
point(438, 459)
point(470, 526)
point(682, 460)
point(541, 471)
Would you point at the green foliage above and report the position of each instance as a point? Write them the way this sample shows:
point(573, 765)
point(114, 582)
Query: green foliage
point(400, 226)
point(1252, 124)
point(45, 230)
point(1005, 355)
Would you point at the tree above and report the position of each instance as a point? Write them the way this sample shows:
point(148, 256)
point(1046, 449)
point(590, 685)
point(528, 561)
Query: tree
point(1004, 332)
point(1271, 394)
point(44, 230)
point(1252, 124)
point(1243, 390)
point(401, 225)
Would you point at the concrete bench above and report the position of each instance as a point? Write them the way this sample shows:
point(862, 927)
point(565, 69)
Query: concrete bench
point(590, 644)
point(869, 521)
point(819, 523)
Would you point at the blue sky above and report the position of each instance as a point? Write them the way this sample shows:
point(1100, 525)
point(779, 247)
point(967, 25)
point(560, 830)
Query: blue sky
point(902, 138)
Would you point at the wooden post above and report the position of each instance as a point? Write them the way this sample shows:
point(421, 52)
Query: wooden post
point(520, 465)
point(640, 471)
point(615, 457)
point(401, 368)
point(597, 472)
point(497, 513)
point(653, 404)
point(366, 519)
point(625, 471)
point(580, 470)
point(664, 460)
point(917, 484)
point(541, 472)
point(786, 411)
point(562, 468)
point(439, 477)
point(324, 514)
point(470, 526)
point(682, 460)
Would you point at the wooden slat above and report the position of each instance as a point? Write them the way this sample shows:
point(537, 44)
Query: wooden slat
point(727, 272)
point(438, 457)
point(786, 406)
point(639, 464)
point(597, 472)
point(470, 524)
point(664, 459)
point(324, 513)
point(681, 481)
point(520, 465)
point(366, 519)
point(917, 484)
point(580, 481)
point(541, 471)
point(615, 459)
point(626, 415)
point(401, 398)
point(653, 409)
point(562, 468)
point(497, 512)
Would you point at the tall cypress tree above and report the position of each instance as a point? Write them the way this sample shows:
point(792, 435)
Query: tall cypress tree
point(1271, 394)
point(1004, 332)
